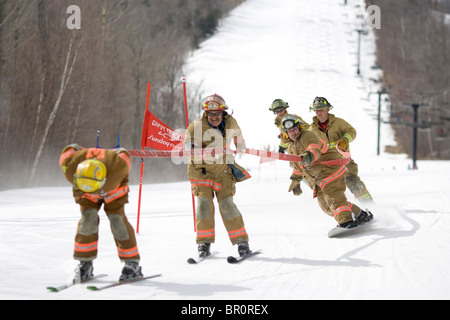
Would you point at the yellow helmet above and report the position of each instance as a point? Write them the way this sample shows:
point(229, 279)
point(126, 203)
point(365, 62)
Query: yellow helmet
point(90, 175)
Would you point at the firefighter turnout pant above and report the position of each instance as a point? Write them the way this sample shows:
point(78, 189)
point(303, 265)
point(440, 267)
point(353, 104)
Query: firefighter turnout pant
point(86, 239)
point(355, 185)
point(330, 194)
point(223, 189)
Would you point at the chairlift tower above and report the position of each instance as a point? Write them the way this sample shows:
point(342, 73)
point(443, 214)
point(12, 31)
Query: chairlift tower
point(415, 107)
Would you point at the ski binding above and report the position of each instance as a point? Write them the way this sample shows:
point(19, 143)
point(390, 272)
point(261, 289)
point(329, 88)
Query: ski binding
point(234, 260)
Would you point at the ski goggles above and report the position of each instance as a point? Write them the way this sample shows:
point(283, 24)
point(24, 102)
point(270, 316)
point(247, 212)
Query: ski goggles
point(279, 110)
point(213, 113)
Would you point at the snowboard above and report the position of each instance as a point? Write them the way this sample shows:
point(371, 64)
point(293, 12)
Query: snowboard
point(342, 232)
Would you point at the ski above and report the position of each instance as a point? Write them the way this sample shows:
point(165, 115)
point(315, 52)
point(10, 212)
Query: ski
point(198, 260)
point(74, 282)
point(119, 283)
point(233, 260)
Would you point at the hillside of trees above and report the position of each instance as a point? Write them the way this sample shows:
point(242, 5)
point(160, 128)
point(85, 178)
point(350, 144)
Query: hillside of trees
point(60, 85)
point(413, 51)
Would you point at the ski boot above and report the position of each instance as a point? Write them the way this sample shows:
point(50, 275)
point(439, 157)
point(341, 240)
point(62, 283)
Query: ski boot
point(131, 270)
point(84, 270)
point(204, 249)
point(243, 249)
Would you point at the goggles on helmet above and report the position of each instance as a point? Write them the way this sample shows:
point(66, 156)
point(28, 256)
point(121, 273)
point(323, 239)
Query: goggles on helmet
point(214, 103)
point(290, 122)
point(89, 184)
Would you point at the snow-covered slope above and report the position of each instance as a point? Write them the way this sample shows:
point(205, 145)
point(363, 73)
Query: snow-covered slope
point(264, 50)
point(404, 255)
point(295, 51)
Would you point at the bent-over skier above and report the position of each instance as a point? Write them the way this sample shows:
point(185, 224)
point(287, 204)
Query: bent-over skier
point(100, 177)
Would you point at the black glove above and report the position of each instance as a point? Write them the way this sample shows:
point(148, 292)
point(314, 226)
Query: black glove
point(307, 158)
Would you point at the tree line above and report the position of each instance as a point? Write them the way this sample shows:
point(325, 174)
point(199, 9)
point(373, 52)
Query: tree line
point(413, 51)
point(60, 85)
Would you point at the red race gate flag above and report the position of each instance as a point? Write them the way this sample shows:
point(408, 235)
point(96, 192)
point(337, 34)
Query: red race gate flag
point(157, 135)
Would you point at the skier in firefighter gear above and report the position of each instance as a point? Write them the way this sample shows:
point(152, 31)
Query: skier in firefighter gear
point(216, 175)
point(100, 177)
point(279, 108)
point(333, 131)
point(323, 169)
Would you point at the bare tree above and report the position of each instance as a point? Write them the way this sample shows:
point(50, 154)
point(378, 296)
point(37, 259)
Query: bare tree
point(59, 86)
point(71, 58)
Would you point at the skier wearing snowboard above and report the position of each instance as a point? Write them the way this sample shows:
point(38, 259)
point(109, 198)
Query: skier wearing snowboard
point(100, 177)
point(326, 180)
point(279, 108)
point(336, 131)
point(216, 175)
